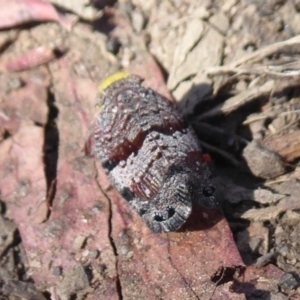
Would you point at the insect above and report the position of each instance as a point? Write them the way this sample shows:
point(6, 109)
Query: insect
point(150, 154)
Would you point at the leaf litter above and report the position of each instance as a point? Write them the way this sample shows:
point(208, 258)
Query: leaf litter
point(61, 200)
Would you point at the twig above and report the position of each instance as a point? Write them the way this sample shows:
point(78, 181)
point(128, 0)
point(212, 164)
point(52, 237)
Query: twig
point(237, 101)
point(265, 51)
point(256, 70)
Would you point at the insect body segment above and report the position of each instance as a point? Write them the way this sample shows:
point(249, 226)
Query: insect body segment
point(151, 157)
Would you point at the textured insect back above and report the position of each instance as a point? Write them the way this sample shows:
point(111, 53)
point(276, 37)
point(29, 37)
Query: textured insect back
point(111, 146)
point(150, 156)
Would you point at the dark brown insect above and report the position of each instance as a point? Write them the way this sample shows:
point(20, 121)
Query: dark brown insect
point(150, 155)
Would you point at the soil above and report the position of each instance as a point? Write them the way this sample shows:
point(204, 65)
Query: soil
point(233, 69)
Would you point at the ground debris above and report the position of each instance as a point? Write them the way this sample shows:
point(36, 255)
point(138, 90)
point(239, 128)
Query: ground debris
point(262, 162)
point(236, 80)
point(272, 212)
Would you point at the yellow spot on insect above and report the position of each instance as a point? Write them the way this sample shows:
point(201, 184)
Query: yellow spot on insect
point(112, 79)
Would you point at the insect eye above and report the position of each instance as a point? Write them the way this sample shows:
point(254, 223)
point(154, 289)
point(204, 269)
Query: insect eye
point(171, 212)
point(163, 217)
point(158, 218)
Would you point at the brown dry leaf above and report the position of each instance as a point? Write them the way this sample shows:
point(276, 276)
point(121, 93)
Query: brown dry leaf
point(22, 290)
point(34, 58)
point(30, 101)
point(81, 8)
point(262, 162)
point(188, 72)
point(8, 230)
point(287, 146)
point(185, 62)
point(256, 237)
point(78, 210)
point(17, 12)
point(260, 54)
point(290, 177)
point(239, 100)
point(185, 43)
point(271, 213)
